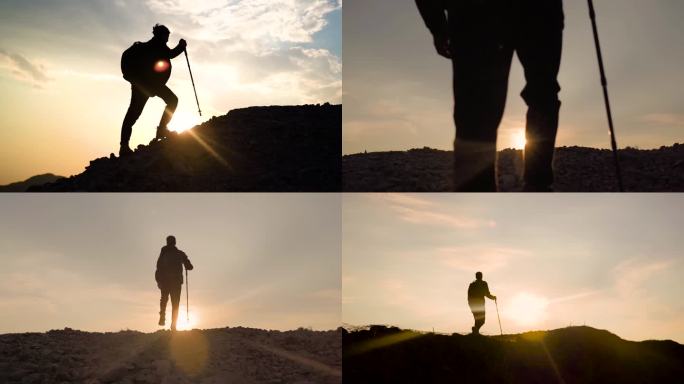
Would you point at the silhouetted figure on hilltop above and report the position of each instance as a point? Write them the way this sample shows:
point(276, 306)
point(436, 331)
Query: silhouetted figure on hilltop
point(477, 291)
point(169, 276)
point(147, 66)
point(480, 36)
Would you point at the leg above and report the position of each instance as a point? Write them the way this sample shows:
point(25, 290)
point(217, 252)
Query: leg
point(135, 108)
point(479, 316)
point(479, 321)
point(171, 103)
point(480, 83)
point(162, 305)
point(539, 44)
point(175, 302)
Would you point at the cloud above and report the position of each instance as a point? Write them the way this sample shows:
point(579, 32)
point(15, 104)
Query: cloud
point(417, 210)
point(631, 274)
point(668, 119)
point(402, 199)
point(470, 258)
point(258, 26)
point(262, 48)
point(23, 68)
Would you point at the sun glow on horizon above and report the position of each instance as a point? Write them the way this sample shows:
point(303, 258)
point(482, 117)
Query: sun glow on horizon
point(182, 121)
point(518, 139)
point(185, 324)
point(527, 309)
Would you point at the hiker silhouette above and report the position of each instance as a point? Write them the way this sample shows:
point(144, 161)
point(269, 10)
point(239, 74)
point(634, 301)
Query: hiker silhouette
point(477, 291)
point(480, 38)
point(169, 276)
point(147, 66)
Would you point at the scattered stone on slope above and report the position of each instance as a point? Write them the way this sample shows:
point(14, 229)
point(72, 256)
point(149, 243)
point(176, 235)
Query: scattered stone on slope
point(237, 355)
point(277, 148)
point(577, 169)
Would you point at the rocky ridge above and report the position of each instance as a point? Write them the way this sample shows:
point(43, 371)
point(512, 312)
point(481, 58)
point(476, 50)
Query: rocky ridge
point(226, 355)
point(577, 169)
point(264, 149)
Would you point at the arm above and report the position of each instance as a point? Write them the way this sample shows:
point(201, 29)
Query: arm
point(434, 16)
point(187, 263)
point(489, 295)
point(180, 48)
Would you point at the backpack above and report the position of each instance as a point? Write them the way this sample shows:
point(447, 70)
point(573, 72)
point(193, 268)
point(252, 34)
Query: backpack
point(133, 62)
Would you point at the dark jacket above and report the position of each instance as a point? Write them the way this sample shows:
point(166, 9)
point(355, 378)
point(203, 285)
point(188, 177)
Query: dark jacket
point(477, 291)
point(170, 266)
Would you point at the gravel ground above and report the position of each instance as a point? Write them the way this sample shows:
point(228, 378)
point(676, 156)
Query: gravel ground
point(577, 169)
point(228, 355)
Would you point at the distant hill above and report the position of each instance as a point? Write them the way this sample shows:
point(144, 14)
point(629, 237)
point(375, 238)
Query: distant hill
point(569, 355)
point(277, 148)
point(22, 186)
point(226, 355)
point(577, 169)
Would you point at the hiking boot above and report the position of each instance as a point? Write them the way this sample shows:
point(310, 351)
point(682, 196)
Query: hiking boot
point(162, 132)
point(125, 150)
point(162, 320)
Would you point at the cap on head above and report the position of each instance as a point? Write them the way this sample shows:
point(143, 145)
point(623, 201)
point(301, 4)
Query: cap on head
point(170, 240)
point(478, 275)
point(160, 30)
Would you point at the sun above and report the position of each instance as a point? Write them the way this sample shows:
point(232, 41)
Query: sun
point(182, 121)
point(183, 324)
point(527, 309)
point(518, 139)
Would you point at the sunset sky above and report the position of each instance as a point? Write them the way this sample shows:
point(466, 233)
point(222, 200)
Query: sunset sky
point(87, 261)
point(63, 97)
point(612, 262)
point(397, 91)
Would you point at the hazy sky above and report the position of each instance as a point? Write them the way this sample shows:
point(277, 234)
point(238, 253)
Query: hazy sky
point(608, 261)
point(397, 91)
point(63, 97)
point(87, 261)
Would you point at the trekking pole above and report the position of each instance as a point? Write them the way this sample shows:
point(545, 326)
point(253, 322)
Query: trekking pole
point(187, 296)
point(193, 86)
point(498, 317)
point(604, 84)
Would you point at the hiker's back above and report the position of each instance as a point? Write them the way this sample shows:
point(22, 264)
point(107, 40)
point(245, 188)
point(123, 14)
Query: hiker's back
point(170, 265)
point(477, 290)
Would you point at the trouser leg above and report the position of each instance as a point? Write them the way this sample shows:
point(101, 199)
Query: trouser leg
point(538, 44)
point(162, 302)
point(135, 108)
point(175, 302)
point(480, 83)
point(479, 317)
point(171, 103)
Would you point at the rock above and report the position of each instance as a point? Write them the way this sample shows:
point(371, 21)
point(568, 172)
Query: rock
point(251, 149)
point(577, 169)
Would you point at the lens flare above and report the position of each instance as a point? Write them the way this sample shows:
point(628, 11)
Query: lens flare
point(161, 66)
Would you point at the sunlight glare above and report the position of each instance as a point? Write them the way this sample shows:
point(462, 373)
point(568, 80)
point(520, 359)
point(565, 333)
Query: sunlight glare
point(182, 121)
point(519, 140)
point(183, 323)
point(527, 309)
